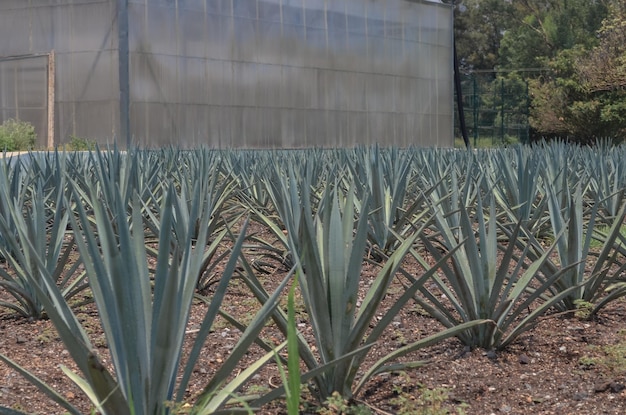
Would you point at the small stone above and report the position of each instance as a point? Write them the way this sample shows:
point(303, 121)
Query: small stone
point(491, 355)
point(20, 340)
point(581, 396)
point(523, 359)
point(601, 387)
point(505, 409)
point(464, 353)
point(616, 387)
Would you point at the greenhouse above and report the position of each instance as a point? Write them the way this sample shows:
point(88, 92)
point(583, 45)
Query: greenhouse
point(229, 73)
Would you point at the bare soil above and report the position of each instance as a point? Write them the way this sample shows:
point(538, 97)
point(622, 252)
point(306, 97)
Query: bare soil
point(564, 365)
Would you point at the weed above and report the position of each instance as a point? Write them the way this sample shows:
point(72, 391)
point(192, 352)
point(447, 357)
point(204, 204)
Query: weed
point(425, 402)
point(48, 335)
point(603, 230)
point(587, 362)
point(337, 405)
point(611, 358)
point(583, 309)
point(80, 144)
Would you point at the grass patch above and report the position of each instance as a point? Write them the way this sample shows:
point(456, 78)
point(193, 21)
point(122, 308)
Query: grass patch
point(609, 358)
point(604, 229)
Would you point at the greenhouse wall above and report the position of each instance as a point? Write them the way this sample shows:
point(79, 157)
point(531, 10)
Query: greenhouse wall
point(234, 73)
point(82, 97)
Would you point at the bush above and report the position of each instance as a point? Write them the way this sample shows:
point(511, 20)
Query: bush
point(80, 144)
point(17, 135)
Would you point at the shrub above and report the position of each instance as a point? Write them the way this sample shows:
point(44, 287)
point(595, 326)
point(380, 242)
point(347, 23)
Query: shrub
point(81, 144)
point(17, 135)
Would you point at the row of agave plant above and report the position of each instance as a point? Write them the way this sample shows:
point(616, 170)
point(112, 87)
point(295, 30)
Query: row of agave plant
point(501, 236)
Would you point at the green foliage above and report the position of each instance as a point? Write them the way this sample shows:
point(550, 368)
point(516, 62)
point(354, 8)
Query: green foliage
point(16, 135)
point(578, 100)
point(576, 73)
point(583, 309)
point(610, 358)
point(291, 380)
point(539, 30)
point(478, 28)
point(336, 404)
point(145, 224)
point(80, 144)
point(415, 399)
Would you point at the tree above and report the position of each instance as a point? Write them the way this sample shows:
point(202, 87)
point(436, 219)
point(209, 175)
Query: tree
point(540, 29)
point(585, 97)
point(478, 29)
point(575, 48)
point(604, 69)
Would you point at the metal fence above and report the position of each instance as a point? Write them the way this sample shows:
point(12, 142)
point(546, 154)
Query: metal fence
point(496, 108)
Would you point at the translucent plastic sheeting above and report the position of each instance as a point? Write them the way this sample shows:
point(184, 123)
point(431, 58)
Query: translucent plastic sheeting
point(83, 35)
point(242, 73)
point(23, 92)
point(291, 73)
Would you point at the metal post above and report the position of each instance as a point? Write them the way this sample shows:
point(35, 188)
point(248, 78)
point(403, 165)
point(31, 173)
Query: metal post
point(51, 98)
point(124, 70)
point(459, 98)
point(475, 112)
point(502, 110)
point(527, 136)
point(494, 111)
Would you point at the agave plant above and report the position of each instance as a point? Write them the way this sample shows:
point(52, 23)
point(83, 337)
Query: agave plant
point(205, 169)
point(582, 242)
point(329, 247)
point(39, 211)
point(515, 178)
point(607, 176)
point(385, 176)
point(14, 178)
point(307, 171)
point(143, 314)
point(476, 282)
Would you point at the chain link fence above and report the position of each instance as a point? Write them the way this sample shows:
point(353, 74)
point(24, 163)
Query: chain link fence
point(496, 108)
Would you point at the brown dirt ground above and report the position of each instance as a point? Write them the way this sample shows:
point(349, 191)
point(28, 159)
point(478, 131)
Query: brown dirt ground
point(564, 365)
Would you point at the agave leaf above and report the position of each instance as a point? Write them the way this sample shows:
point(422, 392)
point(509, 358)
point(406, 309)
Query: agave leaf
point(378, 366)
point(278, 316)
point(392, 265)
point(85, 387)
point(223, 395)
point(248, 337)
point(41, 385)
